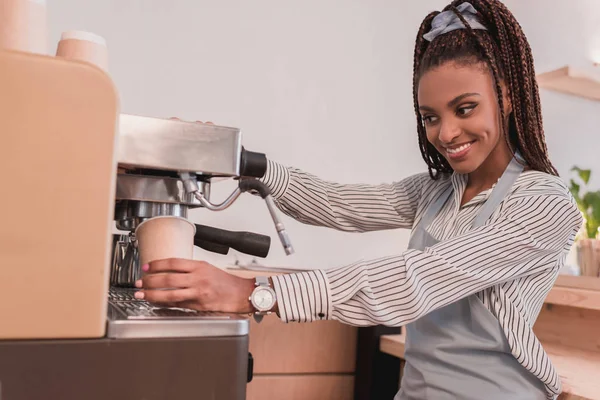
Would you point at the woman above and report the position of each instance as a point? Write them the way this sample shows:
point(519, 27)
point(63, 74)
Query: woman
point(491, 225)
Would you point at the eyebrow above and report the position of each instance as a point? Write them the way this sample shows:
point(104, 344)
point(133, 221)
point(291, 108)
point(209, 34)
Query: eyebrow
point(452, 102)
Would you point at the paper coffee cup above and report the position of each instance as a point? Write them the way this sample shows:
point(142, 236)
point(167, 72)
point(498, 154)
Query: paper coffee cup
point(165, 237)
point(83, 46)
point(23, 26)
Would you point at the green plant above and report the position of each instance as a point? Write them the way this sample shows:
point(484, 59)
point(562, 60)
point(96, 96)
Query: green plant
point(587, 201)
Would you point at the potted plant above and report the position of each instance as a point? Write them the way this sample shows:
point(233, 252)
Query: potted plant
point(587, 241)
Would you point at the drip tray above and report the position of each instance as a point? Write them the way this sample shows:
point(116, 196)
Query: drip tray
point(129, 318)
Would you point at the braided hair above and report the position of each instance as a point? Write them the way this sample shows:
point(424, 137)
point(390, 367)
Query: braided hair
point(503, 47)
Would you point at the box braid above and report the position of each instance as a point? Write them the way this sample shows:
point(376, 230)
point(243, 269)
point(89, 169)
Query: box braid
point(505, 50)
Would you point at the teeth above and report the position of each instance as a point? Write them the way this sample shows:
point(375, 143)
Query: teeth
point(459, 149)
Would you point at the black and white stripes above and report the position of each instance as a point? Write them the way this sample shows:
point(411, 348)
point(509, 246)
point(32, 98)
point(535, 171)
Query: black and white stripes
point(510, 263)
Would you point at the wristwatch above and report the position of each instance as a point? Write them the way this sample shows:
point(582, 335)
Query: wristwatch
point(263, 298)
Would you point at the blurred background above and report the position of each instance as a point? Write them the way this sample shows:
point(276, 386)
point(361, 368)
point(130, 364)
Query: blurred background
point(325, 86)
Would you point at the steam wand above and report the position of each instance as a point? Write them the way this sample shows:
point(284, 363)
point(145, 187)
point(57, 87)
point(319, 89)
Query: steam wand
point(190, 184)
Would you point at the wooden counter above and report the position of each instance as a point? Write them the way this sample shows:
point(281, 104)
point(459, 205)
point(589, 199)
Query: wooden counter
point(576, 291)
point(300, 361)
point(579, 370)
point(568, 327)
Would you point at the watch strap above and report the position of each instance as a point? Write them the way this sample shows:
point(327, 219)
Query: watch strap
point(261, 281)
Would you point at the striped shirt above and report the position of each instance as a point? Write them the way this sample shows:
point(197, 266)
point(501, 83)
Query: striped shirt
point(511, 262)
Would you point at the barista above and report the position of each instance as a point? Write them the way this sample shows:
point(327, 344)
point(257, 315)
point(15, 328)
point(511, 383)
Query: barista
point(491, 225)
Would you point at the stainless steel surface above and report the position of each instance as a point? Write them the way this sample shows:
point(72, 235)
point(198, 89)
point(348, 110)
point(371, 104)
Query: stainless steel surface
point(131, 318)
point(190, 185)
point(190, 182)
point(218, 207)
point(146, 209)
point(172, 145)
point(281, 232)
point(129, 214)
point(157, 189)
point(125, 268)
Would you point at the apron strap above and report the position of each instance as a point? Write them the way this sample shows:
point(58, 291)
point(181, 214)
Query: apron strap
point(508, 178)
point(505, 183)
point(436, 206)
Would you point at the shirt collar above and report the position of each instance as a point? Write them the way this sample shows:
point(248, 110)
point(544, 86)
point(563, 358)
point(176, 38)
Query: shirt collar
point(459, 183)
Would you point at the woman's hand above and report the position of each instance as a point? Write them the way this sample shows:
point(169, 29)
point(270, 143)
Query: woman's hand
point(196, 285)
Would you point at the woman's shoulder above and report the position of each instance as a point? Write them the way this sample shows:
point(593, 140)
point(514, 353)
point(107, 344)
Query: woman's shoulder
point(546, 199)
point(426, 183)
point(535, 183)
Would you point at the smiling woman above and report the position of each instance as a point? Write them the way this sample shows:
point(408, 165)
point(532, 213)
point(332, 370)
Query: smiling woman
point(459, 109)
point(491, 225)
point(506, 79)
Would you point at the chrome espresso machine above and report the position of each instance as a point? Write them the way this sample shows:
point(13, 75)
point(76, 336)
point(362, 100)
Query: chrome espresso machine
point(158, 175)
point(77, 333)
point(166, 168)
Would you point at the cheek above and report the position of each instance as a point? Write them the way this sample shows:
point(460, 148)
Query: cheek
point(483, 127)
point(433, 134)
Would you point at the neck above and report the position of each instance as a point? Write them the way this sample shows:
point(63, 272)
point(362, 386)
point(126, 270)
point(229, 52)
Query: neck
point(491, 169)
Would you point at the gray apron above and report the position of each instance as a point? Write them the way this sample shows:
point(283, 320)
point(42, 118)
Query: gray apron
point(460, 351)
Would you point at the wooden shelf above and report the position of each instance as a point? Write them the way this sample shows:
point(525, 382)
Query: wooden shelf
point(578, 298)
point(393, 345)
point(571, 81)
point(578, 282)
point(575, 291)
point(578, 369)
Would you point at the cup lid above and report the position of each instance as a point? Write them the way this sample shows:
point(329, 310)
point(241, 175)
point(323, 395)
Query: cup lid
point(83, 35)
point(167, 216)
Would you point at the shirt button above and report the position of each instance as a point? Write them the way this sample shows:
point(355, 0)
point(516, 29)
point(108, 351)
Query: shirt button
point(321, 315)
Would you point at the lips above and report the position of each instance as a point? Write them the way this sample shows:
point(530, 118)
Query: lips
point(457, 152)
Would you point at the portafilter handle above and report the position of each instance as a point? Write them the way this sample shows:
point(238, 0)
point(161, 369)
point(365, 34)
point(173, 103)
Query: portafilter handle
point(220, 240)
point(264, 192)
point(190, 183)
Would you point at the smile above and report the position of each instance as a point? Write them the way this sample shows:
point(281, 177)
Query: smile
point(459, 151)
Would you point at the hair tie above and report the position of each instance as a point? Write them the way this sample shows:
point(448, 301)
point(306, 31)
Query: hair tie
point(448, 21)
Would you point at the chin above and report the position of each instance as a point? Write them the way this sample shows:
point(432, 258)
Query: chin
point(466, 165)
point(462, 168)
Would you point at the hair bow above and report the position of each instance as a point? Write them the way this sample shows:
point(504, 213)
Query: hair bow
point(448, 21)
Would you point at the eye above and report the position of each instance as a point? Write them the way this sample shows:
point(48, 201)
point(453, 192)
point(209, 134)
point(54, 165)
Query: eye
point(466, 109)
point(429, 119)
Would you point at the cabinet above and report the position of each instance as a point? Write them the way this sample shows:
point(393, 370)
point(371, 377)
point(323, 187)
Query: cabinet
point(301, 361)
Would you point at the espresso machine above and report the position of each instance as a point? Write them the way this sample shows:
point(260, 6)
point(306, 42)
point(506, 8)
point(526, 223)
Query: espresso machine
point(70, 327)
point(158, 162)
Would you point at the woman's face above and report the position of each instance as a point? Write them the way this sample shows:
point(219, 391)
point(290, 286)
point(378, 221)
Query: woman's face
point(459, 108)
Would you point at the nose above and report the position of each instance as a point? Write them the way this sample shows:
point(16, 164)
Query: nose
point(449, 130)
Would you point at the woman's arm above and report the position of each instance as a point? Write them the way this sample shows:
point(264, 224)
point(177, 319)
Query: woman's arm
point(532, 235)
point(351, 208)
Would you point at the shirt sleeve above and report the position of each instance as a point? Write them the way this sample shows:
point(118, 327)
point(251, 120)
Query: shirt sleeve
point(351, 208)
point(532, 234)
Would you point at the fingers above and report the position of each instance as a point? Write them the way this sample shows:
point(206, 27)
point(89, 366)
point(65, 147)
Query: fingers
point(167, 296)
point(171, 265)
point(165, 280)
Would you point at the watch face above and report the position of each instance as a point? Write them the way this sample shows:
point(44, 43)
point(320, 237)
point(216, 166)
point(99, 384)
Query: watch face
point(263, 299)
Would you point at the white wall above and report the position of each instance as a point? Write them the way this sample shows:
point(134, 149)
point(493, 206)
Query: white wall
point(566, 33)
point(321, 85)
